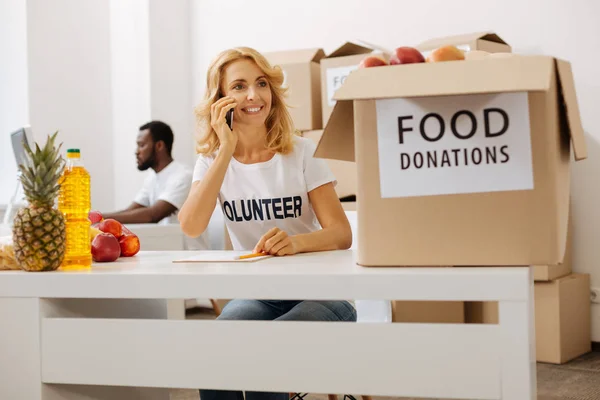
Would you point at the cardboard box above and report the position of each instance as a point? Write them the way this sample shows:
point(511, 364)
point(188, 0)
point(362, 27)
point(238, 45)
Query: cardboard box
point(481, 312)
point(562, 318)
point(349, 205)
point(469, 168)
point(486, 41)
point(428, 311)
point(303, 79)
point(564, 268)
point(335, 67)
point(344, 171)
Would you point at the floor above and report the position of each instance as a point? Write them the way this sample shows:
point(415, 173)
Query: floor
point(576, 380)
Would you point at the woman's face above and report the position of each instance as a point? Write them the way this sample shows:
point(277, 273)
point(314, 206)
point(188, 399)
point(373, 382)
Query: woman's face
point(248, 85)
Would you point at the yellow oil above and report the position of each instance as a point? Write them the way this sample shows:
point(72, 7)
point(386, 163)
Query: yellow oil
point(74, 202)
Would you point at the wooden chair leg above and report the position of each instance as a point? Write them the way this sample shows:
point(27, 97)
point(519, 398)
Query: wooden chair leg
point(215, 306)
point(367, 398)
point(331, 397)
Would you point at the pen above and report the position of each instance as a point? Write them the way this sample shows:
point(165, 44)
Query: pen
point(251, 255)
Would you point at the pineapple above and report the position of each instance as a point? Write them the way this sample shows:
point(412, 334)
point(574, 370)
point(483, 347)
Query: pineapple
point(39, 234)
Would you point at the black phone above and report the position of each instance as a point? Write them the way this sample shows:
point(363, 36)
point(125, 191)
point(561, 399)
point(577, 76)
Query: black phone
point(229, 118)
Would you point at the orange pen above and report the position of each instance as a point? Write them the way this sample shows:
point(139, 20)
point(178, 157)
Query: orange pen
point(252, 255)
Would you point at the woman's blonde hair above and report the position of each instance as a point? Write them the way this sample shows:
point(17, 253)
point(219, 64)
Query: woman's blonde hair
point(280, 127)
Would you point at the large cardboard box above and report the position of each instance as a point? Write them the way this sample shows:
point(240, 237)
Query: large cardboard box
point(562, 318)
point(302, 74)
point(344, 171)
point(428, 311)
point(469, 168)
point(486, 41)
point(335, 67)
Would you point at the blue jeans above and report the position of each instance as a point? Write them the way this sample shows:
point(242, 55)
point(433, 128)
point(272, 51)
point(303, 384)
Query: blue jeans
point(278, 310)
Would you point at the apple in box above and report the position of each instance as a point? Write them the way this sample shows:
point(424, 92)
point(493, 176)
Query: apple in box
point(446, 53)
point(406, 55)
point(105, 248)
point(372, 61)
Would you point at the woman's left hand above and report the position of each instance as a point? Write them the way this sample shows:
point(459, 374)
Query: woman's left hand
point(277, 243)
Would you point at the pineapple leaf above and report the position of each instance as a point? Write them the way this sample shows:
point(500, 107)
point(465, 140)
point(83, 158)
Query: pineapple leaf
point(41, 171)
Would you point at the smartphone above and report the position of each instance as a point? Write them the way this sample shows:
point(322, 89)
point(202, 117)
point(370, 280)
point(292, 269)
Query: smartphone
point(229, 118)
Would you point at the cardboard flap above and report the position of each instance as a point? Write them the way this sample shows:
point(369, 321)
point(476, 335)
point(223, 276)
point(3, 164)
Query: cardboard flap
point(492, 37)
point(350, 49)
point(337, 141)
point(460, 39)
point(372, 46)
point(511, 74)
point(295, 56)
point(318, 55)
point(570, 107)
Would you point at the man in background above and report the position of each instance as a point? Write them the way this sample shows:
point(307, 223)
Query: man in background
point(167, 186)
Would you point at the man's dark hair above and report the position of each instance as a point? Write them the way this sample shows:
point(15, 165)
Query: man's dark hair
point(160, 131)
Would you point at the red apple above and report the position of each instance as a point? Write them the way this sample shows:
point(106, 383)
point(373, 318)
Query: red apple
point(105, 248)
point(406, 55)
point(95, 217)
point(125, 231)
point(372, 61)
point(130, 245)
point(111, 226)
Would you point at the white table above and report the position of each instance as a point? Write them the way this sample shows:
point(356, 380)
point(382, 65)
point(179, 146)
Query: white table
point(105, 334)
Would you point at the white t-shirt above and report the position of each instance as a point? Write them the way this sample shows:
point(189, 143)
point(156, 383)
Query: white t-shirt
point(257, 197)
point(172, 184)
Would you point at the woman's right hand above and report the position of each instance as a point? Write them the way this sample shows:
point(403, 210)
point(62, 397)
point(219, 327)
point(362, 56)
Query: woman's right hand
point(218, 111)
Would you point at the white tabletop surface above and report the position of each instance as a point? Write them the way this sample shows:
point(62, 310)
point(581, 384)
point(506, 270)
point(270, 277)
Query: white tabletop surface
point(324, 275)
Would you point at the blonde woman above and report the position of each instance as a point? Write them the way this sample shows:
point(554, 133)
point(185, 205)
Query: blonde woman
point(275, 196)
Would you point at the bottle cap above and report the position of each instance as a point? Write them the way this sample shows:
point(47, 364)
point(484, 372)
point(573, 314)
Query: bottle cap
point(73, 153)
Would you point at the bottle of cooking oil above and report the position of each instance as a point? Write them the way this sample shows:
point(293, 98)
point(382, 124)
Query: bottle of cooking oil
point(74, 202)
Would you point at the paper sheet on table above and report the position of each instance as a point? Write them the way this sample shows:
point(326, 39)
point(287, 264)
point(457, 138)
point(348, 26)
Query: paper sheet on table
point(217, 256)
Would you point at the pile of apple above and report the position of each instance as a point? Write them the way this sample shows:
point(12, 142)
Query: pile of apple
point(410, 55)
point(110, 239)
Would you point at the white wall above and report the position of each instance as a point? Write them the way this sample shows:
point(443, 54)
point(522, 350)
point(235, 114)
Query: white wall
point(568, 30)
point(171, 72)
point(69, 83)
point(14, 111)
point(151, 74)
point(130, 79)
point(95, 71)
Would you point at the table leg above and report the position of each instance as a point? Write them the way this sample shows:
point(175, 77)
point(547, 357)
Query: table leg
point(517, 324)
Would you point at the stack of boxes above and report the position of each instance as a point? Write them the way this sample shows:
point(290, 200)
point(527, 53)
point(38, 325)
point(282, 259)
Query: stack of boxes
point(562, 310)
point(400, 137)
point(312, 79)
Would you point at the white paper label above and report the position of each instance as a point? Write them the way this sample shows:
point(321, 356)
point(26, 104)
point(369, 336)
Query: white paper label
point(463, 47)
point(454, 144)
point(335, 79)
